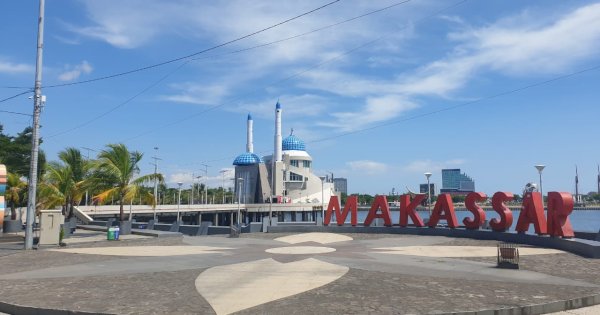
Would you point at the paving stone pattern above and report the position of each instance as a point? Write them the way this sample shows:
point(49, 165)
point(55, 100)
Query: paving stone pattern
point(359, 291)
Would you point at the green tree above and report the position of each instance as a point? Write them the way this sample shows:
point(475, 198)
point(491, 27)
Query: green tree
point(457, 199)
point(115, 176)
point(15, 193)
point(65, 182)
point(15, 152)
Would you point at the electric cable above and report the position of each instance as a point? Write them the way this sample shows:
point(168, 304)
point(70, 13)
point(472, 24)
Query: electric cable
point(164, 77)
point(15, 96)
point(196, 53)
point(347, 52)
point(445, 109)
point(233, 52)
point(14, 113)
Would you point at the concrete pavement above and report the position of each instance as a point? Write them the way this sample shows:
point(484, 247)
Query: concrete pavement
point(297, 273)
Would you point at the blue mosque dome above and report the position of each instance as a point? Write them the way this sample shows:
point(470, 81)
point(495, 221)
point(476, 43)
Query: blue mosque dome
point(293, 143)
point(247, 159)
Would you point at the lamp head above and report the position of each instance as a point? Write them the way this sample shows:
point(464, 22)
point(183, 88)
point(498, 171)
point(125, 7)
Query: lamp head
point(540, 167)
point(427, 175)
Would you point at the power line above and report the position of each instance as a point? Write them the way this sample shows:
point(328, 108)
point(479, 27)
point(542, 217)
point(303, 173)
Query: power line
point(233, 52)
point(14, 113)
point(120, 104)
point(15, 96)
point(350, 51)
point(193, 54)
point(526, 87)
point(309, 32)
point(445, 109)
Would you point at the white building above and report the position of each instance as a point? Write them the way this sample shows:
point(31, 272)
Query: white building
point(288, 177)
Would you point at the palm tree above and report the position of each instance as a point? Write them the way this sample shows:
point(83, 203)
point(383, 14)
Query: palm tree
point(14, 191)
point(65, 182)
point(115, 173)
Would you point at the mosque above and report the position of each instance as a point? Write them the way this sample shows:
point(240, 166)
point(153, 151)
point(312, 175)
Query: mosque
point(286, 176)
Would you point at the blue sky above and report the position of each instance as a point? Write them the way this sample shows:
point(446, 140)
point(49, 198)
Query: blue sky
point(363, 94)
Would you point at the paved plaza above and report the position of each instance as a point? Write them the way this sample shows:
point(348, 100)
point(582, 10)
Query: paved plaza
point(271, 273)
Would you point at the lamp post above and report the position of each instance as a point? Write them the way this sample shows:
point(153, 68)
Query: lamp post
point(179, 200)
point(223, 175)
point(192, 190)
point(428, 174)
point(156, 159)
point(240, 185)
point(322, 199)
point(540, 168)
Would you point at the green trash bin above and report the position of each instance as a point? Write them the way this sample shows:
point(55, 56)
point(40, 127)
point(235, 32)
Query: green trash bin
point(110, 234)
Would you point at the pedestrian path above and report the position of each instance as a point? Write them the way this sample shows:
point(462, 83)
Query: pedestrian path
point(274, 273)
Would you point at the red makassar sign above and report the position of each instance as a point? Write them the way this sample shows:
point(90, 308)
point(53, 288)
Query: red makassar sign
point(560, 206)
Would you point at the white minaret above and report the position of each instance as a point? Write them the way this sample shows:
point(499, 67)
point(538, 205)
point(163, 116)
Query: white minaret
point(278, 156)
point(249, 137)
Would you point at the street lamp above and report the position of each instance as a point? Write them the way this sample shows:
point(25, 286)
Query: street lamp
point(156, 159)
point(540, 168)
point(428, 174)
point(223, 175)
point(322, 199)
point(179, 200)
point(240, 183)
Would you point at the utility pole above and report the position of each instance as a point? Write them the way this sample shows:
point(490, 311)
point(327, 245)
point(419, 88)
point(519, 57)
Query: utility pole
point(156, 159)
point(35, 139)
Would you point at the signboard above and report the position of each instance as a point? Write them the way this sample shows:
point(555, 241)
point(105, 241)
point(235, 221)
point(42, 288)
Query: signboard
point(560, 205)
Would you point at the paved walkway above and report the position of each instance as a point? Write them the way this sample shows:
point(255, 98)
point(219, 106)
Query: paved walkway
point(292, 273)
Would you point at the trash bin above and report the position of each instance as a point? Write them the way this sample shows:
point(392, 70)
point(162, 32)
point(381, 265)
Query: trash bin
point(110, 234)
point(117, 230)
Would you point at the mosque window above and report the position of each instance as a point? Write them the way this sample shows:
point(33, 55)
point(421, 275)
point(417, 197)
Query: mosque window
point(306, 164)
point(294, 163)
point(295, 177)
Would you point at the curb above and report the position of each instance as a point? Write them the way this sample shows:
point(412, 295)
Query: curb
point(544, 308)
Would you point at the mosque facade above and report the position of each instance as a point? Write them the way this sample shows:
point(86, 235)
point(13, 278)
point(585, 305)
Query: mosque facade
point(285, 176)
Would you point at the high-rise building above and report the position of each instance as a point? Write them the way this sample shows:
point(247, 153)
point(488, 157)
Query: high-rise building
point(456, 183)
point(423, 188)
point(340, 185)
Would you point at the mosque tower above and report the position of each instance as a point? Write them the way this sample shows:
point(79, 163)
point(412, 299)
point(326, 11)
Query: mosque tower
point(285, 177)
point(249, 136)
point(278, 150)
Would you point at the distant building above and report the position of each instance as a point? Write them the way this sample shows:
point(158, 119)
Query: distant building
point(456, 183)
point(423, 189)
point(340, 185)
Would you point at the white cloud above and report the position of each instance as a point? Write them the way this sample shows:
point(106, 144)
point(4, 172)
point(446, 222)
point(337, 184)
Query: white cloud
point(376, 109)
point(512, 46)
point(185, 178)
point(199, 94)
point(525, 44)
point(188, 177)
point(74, 72)
point(14, 68)
point(367, 167)
point(294, 106)
point(421, 166)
